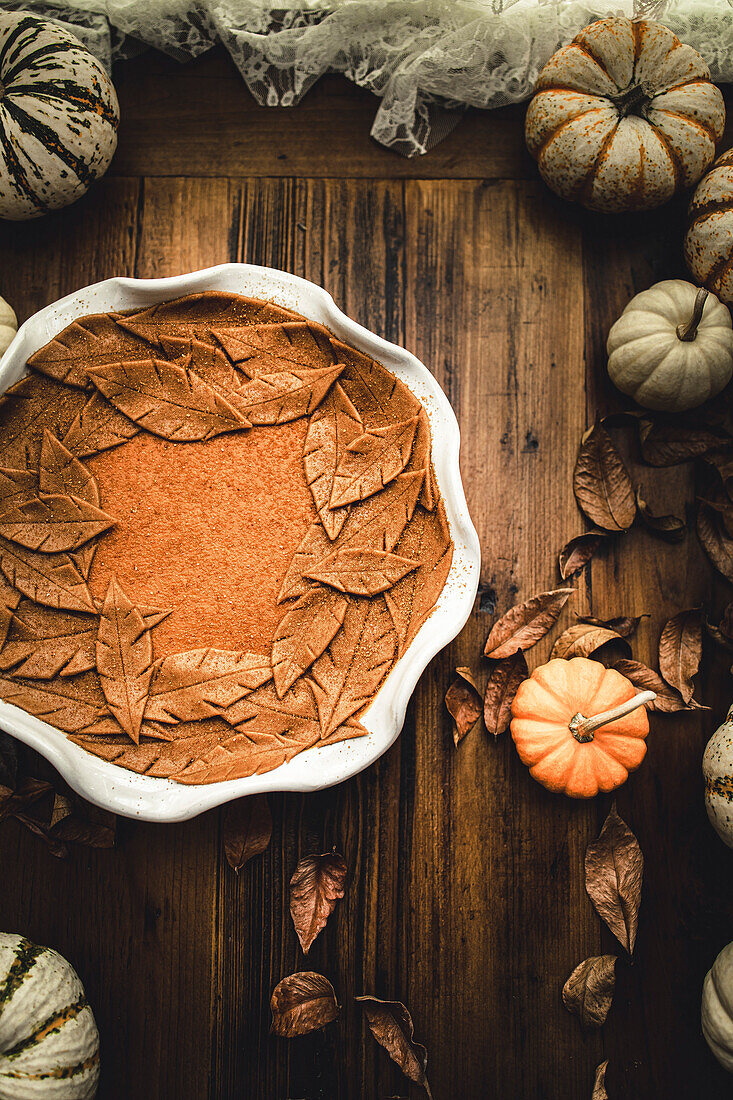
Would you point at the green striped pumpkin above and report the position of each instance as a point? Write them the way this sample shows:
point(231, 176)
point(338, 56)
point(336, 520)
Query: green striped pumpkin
point(49, 1044)
point(58, 117)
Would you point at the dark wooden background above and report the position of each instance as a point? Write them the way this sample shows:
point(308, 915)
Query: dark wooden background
point(466, 896)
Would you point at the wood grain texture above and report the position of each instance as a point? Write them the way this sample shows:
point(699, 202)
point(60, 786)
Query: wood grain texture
point(465, 895)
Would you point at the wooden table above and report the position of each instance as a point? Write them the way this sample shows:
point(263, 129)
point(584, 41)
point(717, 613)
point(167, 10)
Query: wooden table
point(466, 895)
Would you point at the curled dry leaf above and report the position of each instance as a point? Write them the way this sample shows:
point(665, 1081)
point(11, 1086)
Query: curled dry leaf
point(583, 639)
point(391, 1025)
point(599, 1085)
point(623, 625)
point(13, 802)
point(246, 829)
point(588, 992)
point(302, 1002)
point(669, 527)
point(316, 886)
point(526, 623)
point(464, 703)
point(667, 701)
point(614, 868)
point(601, 482)
point(578, 551)
point(505, 677)
point(665, 444)
point(723, 632)
point(715, 540)
point(680, 650)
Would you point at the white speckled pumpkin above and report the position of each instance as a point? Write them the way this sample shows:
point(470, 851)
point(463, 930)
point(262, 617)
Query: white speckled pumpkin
point(717, 1008)
point(624, 116)
point(672, 347)
point(709, 237)
point(58, 117)
point(8, 325)
point(717, 770)
point(49, 1044)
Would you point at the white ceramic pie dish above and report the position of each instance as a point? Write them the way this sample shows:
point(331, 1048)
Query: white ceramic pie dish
point(150, 799)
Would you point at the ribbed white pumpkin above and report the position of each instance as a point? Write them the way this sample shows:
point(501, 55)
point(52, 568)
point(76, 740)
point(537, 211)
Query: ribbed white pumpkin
point(717, 1008)
point(49, 1044)
point(8, 325)
point(665, 356)
point(717, 772)
point(58, 117)
point(624, 116)
point(709, 238)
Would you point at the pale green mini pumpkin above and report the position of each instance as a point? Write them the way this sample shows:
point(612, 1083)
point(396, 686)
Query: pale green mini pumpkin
point(49, 1043)
point(672, 347)
point(717, 1008)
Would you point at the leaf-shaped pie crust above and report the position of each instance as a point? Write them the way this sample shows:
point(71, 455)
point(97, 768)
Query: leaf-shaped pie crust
point(9, 600)
point(426, 540)
point(195, 314)
point(124, 659)
point(348, 674)
point(98, 426)
point(266, 349)
point(333, 425)
point(362, 572)
point(72, 705)
point(304, 632)
point(371, 461)
point(374, 524)
point(89, 342)
point(420, 460)
point(155, 757)
point(47, 643)
point(211, 365)
point(60, 472)
point(241, 756)
point(167, 400)
point(50, 579)
point(199, 683)
point(372, 388)
point(288, 394)
point(27, 408)
point(52, 523)
point(15, 484)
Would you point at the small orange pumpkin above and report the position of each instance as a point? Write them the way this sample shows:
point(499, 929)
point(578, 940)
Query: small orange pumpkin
point(579, 727)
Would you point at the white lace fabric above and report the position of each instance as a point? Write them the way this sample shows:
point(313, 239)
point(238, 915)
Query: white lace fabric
point(425, 59)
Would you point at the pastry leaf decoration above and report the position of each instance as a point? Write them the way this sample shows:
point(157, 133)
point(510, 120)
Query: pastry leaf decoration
point(60, 703)
point(241, 756)
point(333, 425)
point(370, 386)
point(168, 400)
point(420, 460)
point(349, 673)
point(200, 683)
point(362, 572)
point(98, 426)
point(52, 523)
point(194, 315)
point(90, 342)
point(426, 540)
point(288, 394)
point(265, 713)
point(266, 349)
point(303, 634)
point(27, 408)
point(15, 483)
point(60, 472)
point(50, 579)
point(46, 644)
point(371, 461)
point(374, 524)
point(210, 365)
point(124, 659)
point(9, 601)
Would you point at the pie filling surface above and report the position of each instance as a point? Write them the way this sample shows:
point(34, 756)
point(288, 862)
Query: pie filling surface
point(219, 529)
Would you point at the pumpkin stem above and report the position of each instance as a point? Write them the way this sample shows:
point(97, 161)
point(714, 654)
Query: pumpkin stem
point(688, 331)
point(629, 100)
point(583, 729)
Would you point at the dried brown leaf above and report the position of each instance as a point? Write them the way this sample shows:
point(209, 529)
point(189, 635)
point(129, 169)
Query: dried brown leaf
point(302, 1002)
point(391, 1025)
point(23, 796)
point(667, 444)
point(200, 683)
point(316, 886)
point(246, 829)
point(578, 551)
point(303, 633)
point(723, 632)
point(614, 868)
point(669, 527)
point(588, 992)
point(166, 399)
point(599, 1084)
point(714, 539)
point(524, 625)
point(625, 625)
point(505, 676)
point(680, 650)
point(463, 701)
point(602, 484)
point(9, 761)
point(583, 639)
point(668, 701)
point(124, 659)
